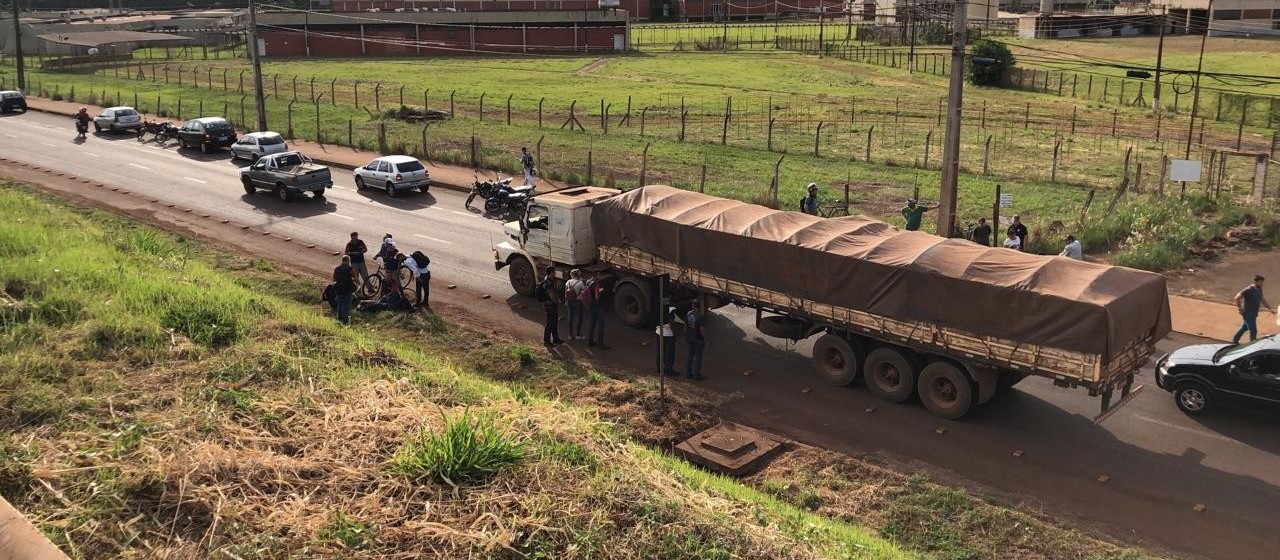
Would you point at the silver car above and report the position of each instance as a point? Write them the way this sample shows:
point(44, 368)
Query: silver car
point(257, 144)
point(117, 119)
point(393, 174)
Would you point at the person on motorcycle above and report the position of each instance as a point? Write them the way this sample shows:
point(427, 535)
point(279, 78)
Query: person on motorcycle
point(82, 119)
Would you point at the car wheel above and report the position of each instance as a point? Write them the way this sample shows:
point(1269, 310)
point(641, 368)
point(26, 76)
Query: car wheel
point(204, 147)
point(248, 187)
point(97, 128)
point(1193, 399)
point(391, 190)
point(424, 189)
point(359, 183)
point(282, 193)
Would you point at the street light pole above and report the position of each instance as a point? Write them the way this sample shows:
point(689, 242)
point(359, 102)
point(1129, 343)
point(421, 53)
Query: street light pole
point(256, 58)
point(17, 38)
point(1195, 99)
point(955, 107)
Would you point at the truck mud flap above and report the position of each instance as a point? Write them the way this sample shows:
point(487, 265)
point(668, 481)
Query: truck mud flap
point(1127, 394)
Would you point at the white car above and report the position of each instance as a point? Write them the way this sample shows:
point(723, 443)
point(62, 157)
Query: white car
point(393, 174)
point(257, 144)
point(116, 119)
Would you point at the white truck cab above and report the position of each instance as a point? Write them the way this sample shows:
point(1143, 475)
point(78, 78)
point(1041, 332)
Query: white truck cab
point(555, 230)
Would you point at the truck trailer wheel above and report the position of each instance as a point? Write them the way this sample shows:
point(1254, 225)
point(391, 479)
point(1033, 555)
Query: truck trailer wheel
point(945, 390)
point(631, 304)
point(837, 361)
point(891, 373)
point(520, 273)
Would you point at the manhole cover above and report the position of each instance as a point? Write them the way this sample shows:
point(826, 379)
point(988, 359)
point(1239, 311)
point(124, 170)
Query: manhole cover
point(729, 448)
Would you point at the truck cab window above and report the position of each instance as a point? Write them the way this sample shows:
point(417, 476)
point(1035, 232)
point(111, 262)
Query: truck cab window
point(537, 217)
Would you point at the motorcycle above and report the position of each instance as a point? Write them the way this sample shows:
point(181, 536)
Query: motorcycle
point(82, 129)
point(163, 131)
point(507, 200)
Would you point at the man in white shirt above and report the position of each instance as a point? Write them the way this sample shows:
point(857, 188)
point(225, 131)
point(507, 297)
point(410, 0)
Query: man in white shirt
point(421, 276)
point(573, 297)
point(1072, 249)
point(1011, 241)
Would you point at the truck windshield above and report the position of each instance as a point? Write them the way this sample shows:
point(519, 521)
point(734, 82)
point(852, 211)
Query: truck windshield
point(537, 217)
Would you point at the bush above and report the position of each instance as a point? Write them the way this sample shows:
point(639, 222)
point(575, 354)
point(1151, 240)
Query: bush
point(994, 74)
point(206, 324)
point(471, 447)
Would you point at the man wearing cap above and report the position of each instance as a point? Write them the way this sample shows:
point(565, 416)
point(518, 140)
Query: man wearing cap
point(914, 213)
point(1019, 229)
point(809, 204)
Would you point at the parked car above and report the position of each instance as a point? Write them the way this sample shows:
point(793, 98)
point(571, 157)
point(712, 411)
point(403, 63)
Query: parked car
point(286, 174)
point(206, 133)
point(116, 119)
point(12, 101)
point(257, 144)
point(393, 174)
point(1204, 376)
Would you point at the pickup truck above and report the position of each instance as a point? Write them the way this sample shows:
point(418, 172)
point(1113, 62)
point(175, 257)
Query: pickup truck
point(910, 313)
point(286, 174)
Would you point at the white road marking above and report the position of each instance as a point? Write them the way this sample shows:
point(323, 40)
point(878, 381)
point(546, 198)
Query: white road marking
point(467, 214)
point(433, 239)
point(10, 135)
point(139, 166)
point(194, 180)
point(1202, 433)
point(89, 153)
point(435, 208)
point(341, 216)
point(50, 145)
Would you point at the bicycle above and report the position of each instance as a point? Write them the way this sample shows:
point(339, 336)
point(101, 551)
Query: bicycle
point(376, 285)
point(832, 209)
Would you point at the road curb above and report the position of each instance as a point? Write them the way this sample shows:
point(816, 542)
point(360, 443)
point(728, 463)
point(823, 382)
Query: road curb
point(320, 159)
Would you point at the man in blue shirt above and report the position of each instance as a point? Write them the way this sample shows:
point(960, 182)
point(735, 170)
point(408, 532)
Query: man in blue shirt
point(693, 337)
point(1249, 301)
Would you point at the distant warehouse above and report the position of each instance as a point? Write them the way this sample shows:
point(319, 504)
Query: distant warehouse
point(412, 33)
point(637, 10)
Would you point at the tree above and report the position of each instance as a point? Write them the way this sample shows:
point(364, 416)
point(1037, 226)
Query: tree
point(996, 62)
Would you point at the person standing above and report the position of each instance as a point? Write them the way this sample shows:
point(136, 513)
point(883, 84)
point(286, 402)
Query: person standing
point(388, 252)
point(1019, 229)
point(526, 163)
point(548, 296)
point(696, 342)
point(914, 213)
point(1249, 301)
point(1072, 249)
point(1011, 241)
point(982, 233)
point(595, 305)
point(344, 280)
point(356, 250)
point(667, 342)
point(418, 265)
point(575, 300)
point(809, 204)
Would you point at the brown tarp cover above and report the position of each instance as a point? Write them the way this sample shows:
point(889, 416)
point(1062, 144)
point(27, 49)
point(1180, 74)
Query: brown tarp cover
point(867, 265)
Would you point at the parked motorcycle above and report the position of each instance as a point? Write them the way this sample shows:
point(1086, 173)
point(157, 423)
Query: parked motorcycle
point(507, 201)
point(163, 131)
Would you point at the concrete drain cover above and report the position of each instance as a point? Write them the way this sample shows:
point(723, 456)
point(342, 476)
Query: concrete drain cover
point(729, 448)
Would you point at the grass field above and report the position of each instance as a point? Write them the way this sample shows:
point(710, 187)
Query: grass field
point(826, 104)
point(159, 399)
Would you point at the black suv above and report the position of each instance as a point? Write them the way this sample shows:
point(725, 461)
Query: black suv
point(12, 101)
point(206, 133)
point(1202, 376)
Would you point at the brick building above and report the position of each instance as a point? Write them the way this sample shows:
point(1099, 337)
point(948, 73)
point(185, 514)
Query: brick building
point(409, 33)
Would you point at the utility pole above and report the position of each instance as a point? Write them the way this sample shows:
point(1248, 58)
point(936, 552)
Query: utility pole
point(1155, 97)
point(256, 58)
point(911, 36)
point(955, 106)
point(17, 42)
point(306, 29)
point(1195, 99)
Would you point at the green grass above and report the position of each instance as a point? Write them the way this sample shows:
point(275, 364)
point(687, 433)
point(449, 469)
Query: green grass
point(295, 438)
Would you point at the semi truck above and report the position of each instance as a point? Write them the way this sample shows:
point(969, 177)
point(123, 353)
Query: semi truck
point(909, 313)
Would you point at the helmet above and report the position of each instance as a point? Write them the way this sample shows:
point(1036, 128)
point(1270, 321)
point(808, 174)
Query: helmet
point(813, 186)
point(911, 201)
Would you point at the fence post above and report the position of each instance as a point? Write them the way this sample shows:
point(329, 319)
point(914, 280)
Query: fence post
point(482, 107)
point(702, 182)
point(242, 121)
point(355, 91)
point(817, 139)
point(642, 117)
point(201, 112)
point(452, 94)
point(869, 131)
point(590, 169)
point(312, 86)
point(1026, 117)
point(333, 95)
point(224, 78)
point(319, 135)
point(986, 158)
point(1124, 184)
point(179, 108)
point(350, 140)
point(424, 143)
point(1115, 115)
point(684, 115)
point(1217, 114)
point(1075, 79)
point(1106, 85)
point(289, 122)
point(928, 141)
point(275, 85)
point(1137, 179)
point(604, 118)
point(377, 97)
point(402, 96)
point(1088, 92)
point(1244, 110)
point(644, 163)
point(540, 101)
point(382, 137)
point(1073, 122)
point(473, 151)
point(777, 170)
point(769, 143)
point(509, 109)
point(1164, 168)
point(728, 113)
point(1053, 170)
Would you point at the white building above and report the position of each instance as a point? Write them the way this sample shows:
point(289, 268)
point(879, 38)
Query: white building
point(1250, 18)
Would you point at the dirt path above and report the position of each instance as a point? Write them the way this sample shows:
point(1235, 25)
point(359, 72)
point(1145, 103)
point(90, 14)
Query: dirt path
point(592, 67)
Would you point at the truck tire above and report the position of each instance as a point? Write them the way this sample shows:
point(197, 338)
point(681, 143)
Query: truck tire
point(837, 360)
point(890, 373)
point(945, 390)
point(520, 274)
point(631, 304)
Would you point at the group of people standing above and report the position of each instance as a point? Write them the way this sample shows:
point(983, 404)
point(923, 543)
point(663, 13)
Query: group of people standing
point(582, 296)
point(353, 272)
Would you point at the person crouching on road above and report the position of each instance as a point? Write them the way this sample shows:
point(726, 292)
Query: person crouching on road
point(344, 280)
point(575, 299)
point(549, 296)
point(667, 341)
point(393, 301)
point(595, 306)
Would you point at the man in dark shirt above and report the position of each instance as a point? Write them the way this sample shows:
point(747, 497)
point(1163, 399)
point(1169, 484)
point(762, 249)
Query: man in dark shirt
point(982, 233)
point(913, 213)
point(356, 250)
point(1019, 229)
point(696, 342)
point(344, 285)
point(550, 298)
point(1249, 301)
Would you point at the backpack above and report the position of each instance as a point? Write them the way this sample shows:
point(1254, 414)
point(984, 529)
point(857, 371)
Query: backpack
point(802, 201)
point(542, 292)
point(421, 259)
point(585, 295)
point(328, 293)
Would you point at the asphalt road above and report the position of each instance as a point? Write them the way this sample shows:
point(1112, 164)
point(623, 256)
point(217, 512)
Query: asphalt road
point(1159, 463)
